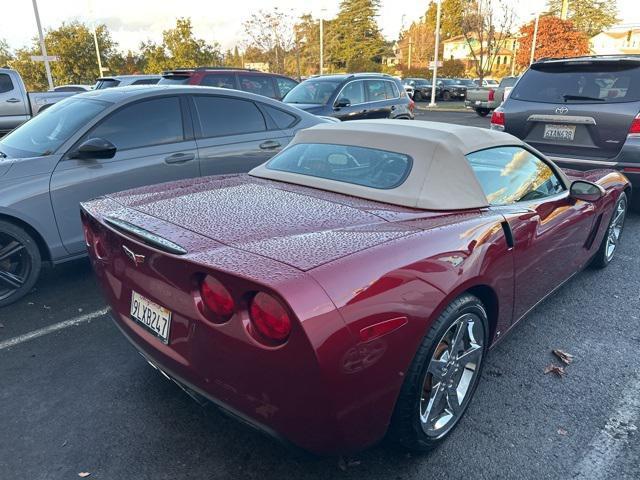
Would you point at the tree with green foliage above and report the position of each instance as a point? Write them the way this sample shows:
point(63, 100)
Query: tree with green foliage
point(74, 46)
point(5, 53)
point(355, 42)
point(588, 16)
point(179, 48)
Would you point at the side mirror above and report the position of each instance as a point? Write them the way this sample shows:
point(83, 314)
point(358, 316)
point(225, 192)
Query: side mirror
point(586, 191)
point(94, 148)
point(342, 102)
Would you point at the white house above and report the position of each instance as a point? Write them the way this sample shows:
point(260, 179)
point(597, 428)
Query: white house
point(620, 39)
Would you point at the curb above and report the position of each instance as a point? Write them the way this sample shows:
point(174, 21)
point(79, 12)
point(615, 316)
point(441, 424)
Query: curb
point(437, 109)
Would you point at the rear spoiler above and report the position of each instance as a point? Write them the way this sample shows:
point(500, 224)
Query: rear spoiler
point(145, 235)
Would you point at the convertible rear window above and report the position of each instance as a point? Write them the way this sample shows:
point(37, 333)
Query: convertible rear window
point(368, 167)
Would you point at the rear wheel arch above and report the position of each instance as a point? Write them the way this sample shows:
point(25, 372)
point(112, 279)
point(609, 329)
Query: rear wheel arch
point(33, 233)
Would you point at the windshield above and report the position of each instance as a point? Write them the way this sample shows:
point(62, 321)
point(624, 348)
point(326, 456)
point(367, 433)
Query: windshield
point(468, 82)
point(590, 82)
point(106, 83)
point(174, 80)
point(46, 132)
point(313, 91)
point(358, 165)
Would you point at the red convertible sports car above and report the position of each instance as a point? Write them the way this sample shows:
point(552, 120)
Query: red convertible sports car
point(350, 287)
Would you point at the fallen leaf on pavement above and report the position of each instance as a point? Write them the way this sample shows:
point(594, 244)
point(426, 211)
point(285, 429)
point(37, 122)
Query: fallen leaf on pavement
point(565, 357)
point(557, 369)
point(345, 464)
point(84, 474)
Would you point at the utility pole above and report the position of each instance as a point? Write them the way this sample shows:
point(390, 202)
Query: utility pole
point(410, 51)
point(321, 46)
point(43, 47)
point(435, 63)
point(564, 11)
point(95, 39)
point(535, 39)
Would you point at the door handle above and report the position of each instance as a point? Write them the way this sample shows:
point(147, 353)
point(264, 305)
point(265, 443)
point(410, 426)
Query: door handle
point(269, 145)
point(393, 107)
point(13, 100)
point(179, 158)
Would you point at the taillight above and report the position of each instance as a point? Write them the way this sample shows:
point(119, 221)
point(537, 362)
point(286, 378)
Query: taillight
point(270, 317)
point(88, 235)
point(412, 105)
point(216, 300)
point(634, 130)
point(497, 119)
point(492, 94)
point(99, 249)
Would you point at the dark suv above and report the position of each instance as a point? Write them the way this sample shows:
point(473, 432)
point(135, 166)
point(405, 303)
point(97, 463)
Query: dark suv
point(582, 112)
point(266, 84)
point(353, 97)
point(450, 88)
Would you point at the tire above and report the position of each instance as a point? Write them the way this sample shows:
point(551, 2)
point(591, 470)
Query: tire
point(413, 414)
point(482, 112)
point(446, 96)
point(609, 244)
point(20, 263)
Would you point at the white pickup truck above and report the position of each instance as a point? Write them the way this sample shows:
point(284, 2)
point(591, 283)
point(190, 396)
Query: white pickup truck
point(16, 105)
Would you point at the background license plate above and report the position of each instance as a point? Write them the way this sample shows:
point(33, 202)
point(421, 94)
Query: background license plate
point(152, 316)
point(559, 132)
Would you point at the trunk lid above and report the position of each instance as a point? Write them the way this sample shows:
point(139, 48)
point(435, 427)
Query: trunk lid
point(294, 225)
point(575, 108)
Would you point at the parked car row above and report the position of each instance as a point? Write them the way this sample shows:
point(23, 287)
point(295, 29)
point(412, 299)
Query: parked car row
point(349, 286)
point(446, 88)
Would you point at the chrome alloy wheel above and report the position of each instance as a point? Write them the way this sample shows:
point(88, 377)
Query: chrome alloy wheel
point(615, 228)
point(451, 374)
point(15, 265)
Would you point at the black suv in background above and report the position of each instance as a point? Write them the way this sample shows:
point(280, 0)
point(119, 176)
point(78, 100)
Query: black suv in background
point(352, 96)
point(421, 88)
point(582, 112)
point(451, 88)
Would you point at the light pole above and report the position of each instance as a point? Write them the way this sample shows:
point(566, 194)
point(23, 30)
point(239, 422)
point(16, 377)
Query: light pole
point(95, 38)
point(435, 63)
point(535, 38)
point(43, 47)
point(321, 45)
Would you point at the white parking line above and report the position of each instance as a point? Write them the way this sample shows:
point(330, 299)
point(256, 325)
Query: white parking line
point(53, 328)
point(606, 446)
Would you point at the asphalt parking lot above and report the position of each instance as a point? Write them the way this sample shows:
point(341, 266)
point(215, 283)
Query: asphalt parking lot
point(78, 398)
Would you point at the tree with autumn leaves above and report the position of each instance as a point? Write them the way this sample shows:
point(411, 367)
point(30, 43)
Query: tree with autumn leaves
point(556, 38)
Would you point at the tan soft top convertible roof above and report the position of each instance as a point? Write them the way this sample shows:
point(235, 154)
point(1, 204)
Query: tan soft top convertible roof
point(440, 178)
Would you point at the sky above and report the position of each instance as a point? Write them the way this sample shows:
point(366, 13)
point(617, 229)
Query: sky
point(134, 21)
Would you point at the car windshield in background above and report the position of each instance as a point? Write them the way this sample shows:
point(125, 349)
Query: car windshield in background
point(589, 82)
point(106, 83)
point(467, 82)
point(174, 80)
point(358, 165)
point(46, 132)
point(508, 81)
point(315, 92)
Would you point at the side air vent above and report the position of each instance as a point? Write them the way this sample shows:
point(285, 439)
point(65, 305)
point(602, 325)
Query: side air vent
point(508, 234)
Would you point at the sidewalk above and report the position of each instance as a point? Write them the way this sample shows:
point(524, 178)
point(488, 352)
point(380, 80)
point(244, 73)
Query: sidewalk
point(442, 106)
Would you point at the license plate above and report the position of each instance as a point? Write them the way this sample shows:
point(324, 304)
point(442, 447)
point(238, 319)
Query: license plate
point(559, 132)
point(152, 316)
point(478, 102)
